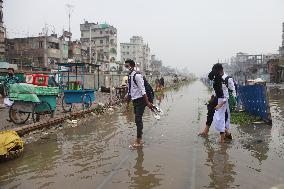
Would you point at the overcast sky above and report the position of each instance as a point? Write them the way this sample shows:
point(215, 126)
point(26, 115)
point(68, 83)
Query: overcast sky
point(183, 33)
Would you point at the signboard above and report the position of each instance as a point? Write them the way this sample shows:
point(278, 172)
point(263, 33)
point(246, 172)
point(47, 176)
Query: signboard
point(67, 34)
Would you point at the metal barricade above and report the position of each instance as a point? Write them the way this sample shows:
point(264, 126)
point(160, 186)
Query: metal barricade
point(255, 101)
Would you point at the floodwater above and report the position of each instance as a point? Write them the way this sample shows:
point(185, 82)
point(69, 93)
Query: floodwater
point(96, 154)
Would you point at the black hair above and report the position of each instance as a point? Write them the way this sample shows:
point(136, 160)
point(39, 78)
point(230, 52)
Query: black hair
point(215, 71)
point(217, 67)
point(131, 62)
point(11, 69)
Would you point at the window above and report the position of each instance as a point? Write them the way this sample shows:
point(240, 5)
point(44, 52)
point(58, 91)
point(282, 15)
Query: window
point(101, 32)
point(40, 44)
point(101, 41)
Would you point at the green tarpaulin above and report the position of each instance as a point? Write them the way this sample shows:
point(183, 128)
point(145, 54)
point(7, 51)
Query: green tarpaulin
point(30, 93)
point(24, 97)
point(39, 90)
point(23, 88)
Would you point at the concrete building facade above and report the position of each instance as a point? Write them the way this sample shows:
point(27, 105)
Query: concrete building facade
point(2, 34)
point(41, 51)
point(137, 51)
point(155, 65)
point(243, 66)
point(103, 43)
point(280, 67)
point(78, 52)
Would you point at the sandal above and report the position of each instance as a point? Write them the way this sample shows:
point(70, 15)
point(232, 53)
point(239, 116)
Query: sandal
point(136, 144)
point(228, 136)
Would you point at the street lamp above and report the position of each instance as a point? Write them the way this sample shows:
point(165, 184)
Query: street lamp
point(98, 70)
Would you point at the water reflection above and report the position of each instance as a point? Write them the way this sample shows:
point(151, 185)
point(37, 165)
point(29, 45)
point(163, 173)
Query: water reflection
point(34, 165)
point(159, 98)
point(257, 140)
point(276, 97)
point(141, 177)
point(222, 169)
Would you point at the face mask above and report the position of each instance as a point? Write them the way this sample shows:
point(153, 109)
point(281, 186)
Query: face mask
point(129, 69)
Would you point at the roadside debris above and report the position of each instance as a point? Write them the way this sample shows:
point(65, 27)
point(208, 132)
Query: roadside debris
point(11, 145)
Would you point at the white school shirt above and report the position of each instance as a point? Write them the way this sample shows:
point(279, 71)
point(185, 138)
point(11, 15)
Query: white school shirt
point(136, 91)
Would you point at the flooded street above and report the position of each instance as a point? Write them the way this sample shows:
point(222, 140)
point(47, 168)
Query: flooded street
point(96, 155)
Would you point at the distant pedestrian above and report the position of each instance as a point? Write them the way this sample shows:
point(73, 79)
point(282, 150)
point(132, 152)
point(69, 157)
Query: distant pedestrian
point(162, 83)
point(138, 94)
point(157, 82)
point(11, 79)
point(53, 80)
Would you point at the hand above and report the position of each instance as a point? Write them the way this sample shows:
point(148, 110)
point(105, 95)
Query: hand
point(219, 106)
point(127, 98)
point(150, 105)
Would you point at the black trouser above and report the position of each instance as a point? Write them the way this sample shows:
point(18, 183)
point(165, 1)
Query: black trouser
point(139, 107)
point(211, 110)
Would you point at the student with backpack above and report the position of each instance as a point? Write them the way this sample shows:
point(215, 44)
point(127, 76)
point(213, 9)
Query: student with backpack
point(222, 85)
point(224, 89)
point(141, 94)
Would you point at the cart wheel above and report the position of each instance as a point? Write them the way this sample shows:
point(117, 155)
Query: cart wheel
point(42, 111)
point(65, 107)
point(86, 101)
point(16, 116)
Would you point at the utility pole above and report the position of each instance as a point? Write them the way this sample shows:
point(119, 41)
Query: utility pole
point(90, 45)
point(70, 10)
point(21, 60)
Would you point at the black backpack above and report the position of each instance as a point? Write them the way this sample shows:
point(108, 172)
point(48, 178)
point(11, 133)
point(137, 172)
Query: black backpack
point(148, 88)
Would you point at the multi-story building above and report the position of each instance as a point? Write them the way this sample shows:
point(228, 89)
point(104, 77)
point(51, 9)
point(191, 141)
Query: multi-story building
point(41, 51)
point(137, 51)
point(272, 65)
point(2, 33)
point(244, 65)
point(102, 38)
point(280, 67)
point(146, 57)
point(155, 65)
point(78, 52)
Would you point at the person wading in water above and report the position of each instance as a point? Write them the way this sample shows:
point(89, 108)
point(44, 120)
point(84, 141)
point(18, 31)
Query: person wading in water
point(137, 93)
point(220, 91)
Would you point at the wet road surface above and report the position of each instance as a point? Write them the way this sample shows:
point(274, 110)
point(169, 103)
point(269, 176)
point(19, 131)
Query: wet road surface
point(96, 155)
